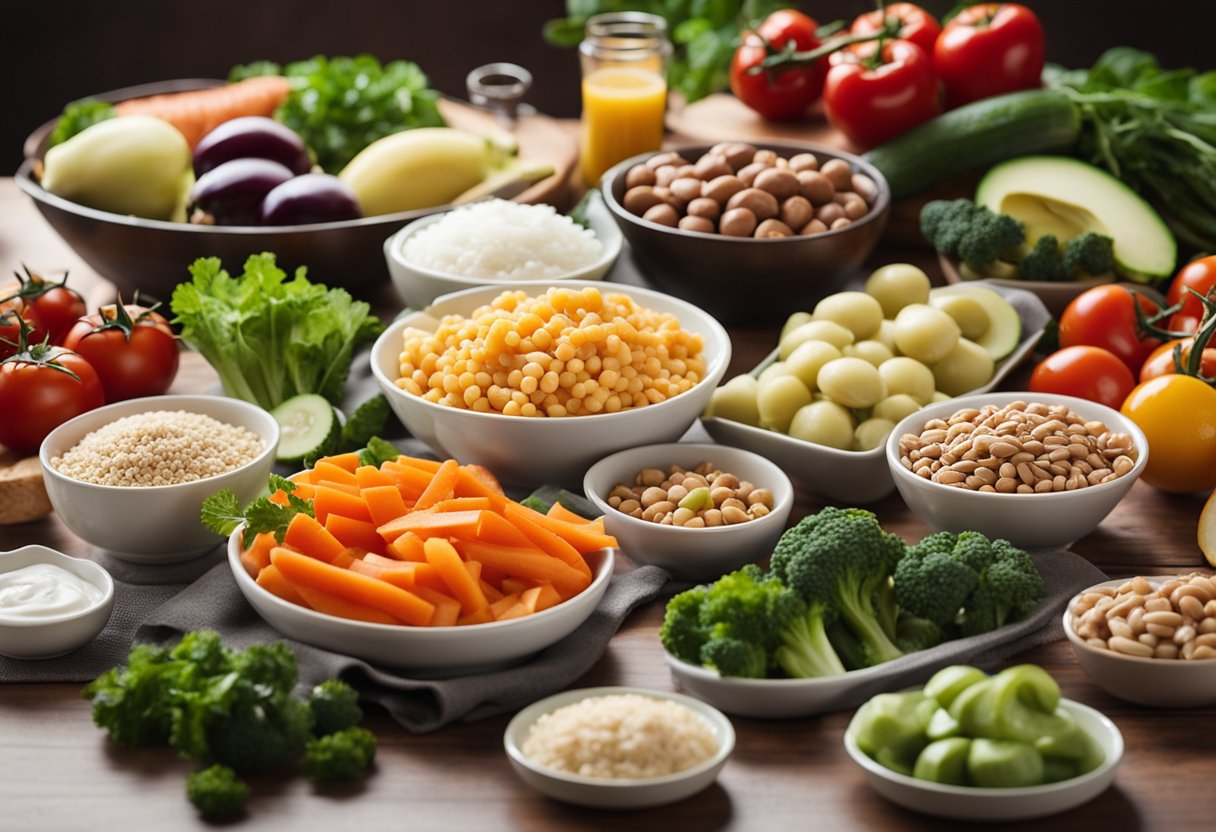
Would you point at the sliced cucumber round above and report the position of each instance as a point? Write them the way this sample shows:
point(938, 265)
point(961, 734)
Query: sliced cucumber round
point(308, 427)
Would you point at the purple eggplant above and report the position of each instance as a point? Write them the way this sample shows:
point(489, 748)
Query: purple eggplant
point(313, 197)
point(232, 193)
point(251, 137)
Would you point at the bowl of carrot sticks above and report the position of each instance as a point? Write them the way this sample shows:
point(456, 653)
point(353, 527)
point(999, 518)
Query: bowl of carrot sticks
point(422, 566)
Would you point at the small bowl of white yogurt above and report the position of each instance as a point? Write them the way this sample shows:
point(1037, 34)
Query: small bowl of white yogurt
point(50, 604)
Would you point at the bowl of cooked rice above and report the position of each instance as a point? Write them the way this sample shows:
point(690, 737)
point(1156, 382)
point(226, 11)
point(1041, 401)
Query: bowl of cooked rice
point(538, 381)
point(131, 477)
point(619, 747)
point(498, 241)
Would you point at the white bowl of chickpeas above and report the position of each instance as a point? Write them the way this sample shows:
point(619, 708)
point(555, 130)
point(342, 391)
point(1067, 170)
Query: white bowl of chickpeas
point(1150, 640)
point(748, 231)
point(695, 510)
point(1040, 470)
point(537, 382)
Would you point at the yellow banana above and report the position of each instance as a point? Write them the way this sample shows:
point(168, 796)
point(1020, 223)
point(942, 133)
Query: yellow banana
point(421, 168)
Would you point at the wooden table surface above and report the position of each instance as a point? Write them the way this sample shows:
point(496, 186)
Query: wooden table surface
point(58, 772)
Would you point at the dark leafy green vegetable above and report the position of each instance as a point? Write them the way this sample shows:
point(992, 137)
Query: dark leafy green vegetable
point(79, 115)
point(340, 757)
point(339, 106)
point(377, 452)
point(217, 792)
point(1154, 129)
point(222, 513)
point(364, 424)
point(335, 706)
point(704, 34)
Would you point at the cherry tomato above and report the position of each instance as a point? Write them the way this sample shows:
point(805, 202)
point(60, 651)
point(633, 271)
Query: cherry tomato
point(1199, 275)
point(780, 93)
point(915, 24)
point(12, 308)
point(1105, 317)
point(1161, 361)
point(57, 309)
point(133, 350)
point(989, 49)
point(871, 105)
point(1183, 323)
point(41, 388)
point(1086, 372)
point(1178, 416)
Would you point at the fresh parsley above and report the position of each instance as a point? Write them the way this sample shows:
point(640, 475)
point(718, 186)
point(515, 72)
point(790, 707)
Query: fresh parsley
point(222, 513)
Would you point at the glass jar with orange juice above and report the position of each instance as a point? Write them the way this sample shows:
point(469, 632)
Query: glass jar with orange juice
point(624, 61)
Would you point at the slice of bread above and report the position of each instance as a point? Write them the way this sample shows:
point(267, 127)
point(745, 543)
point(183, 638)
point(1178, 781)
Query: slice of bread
point(22, 493)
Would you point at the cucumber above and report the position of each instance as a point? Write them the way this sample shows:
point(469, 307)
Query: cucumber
point(977, 136)
point(308, 427)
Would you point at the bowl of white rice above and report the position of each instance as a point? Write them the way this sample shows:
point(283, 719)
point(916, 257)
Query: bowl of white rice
point(619, 747)
point(497, 241)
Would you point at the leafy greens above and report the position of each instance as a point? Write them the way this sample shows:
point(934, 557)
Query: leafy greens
point(271, 338)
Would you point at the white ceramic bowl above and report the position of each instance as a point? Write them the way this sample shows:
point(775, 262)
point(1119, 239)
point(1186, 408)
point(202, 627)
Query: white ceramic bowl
point(978, 804)
point(604, 793)
point(534, 451)
point(1031, 521)
point(692, 554)
point(427, 651)
point(855, 477)
point(154, 524)
point(1159, 683)
point(419, 286)
point(44, 638)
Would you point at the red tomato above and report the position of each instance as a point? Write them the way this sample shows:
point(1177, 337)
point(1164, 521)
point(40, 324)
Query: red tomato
point(1199, 275)
point(784, 92)
point(133, 350)
point(1086, 372)
point(871, 105)
point(12, 308)
point(40, 389)
point(989, 49)
point(1161, 361)
point(58, 308)
point(915, 24)
point(1105, 317)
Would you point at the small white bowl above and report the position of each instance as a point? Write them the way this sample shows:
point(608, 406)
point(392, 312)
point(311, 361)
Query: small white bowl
point(45, 638)
point(154, 524)
point(535, 451)
point(979, 804)
point(419, 286)
point(1158, 683)
point(1031, 521)
point(605, 793)
point(692, 554)
point(427, 651)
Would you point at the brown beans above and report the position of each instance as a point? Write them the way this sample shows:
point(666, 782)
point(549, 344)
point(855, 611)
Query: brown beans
point(772, 228)
point(1034, 449)
point(695, 223)
point(1138, 620)
point(703, 497)
point(663, 214)
point(761, 203)
point(638, 200)
point(738, 222)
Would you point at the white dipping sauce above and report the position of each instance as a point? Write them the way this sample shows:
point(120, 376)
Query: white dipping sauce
point(43, 590)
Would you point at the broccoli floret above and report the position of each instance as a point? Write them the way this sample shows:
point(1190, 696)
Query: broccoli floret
point(966, 582)
point(133, 703)
point(217, 792)
point(734, 657)
point(1044, 261)
point(1089, 252)
point(913, 633)
point(806, 652)
point(681, 632)
point(842, 558)
point(341, 756)
point(977, 236)
point(335, 705)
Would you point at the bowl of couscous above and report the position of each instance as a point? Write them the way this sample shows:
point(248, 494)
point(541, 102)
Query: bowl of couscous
point(537, 382)
point(131, 477)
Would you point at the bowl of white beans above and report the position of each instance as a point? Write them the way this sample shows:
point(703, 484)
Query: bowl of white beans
point(1149, 640)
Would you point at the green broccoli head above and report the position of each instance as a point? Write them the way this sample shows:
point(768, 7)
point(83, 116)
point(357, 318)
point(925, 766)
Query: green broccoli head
point(1090, 253)
point(1014, 582)
point(733, 656)
point(972, 233)
point(341, 756)
point(933, 581)
point(806, 652)
point(217, 793)
point(335, 705)
point(260, 733)
point(681, 633)
point(842, 558)
point(1043, 262)
point(913, 633)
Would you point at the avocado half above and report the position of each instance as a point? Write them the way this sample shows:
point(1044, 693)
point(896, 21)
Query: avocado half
point(1065, 197)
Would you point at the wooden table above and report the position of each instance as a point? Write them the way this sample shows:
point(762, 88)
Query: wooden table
point(58, 772)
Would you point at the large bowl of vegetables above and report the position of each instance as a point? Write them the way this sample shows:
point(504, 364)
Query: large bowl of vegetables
point(151, 254)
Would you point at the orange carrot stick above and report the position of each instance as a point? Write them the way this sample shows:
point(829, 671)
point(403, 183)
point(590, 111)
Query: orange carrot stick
point(411, 481)
point(461, 504)
point(327, 501)
point(352, 532)
point(272, 580)
point(369, 476)
point(441, 485)
point(546, 540)
point(494, 528)
point(475, 481)
point(581, 536)
point(257, 557)
point(559, 512)
point(463, 586)
point(302, 570)
point(384, 502)
point(331, 604)
point(407, 547)
point(430, 523)
point(310, 537)
point(326, 470)
point(348, 462)
point(447, 608)
point(527, 563)
point(197, 112)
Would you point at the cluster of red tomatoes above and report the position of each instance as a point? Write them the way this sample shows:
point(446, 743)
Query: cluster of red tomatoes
point(57, 361)
point(870, 95)
point(1106, 356)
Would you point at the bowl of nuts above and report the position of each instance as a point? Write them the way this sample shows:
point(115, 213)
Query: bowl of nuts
point(794, 220)
point(1149, 640)
point(1040, 471)
point(695, 510)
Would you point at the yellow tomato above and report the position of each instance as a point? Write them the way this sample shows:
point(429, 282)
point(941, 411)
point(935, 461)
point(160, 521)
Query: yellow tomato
point(1178, 415)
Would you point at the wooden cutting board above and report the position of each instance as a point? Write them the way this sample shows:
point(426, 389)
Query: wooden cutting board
point(722, 117)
